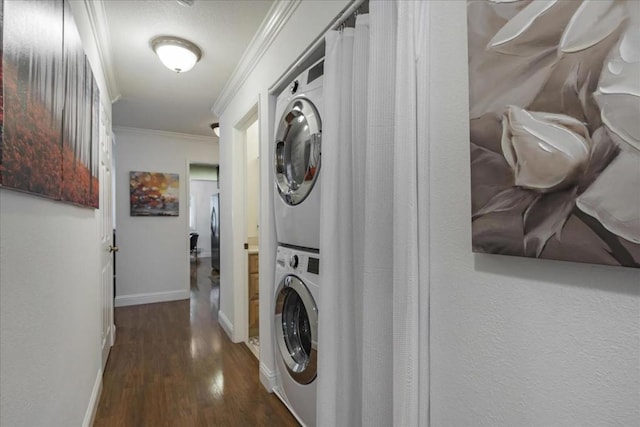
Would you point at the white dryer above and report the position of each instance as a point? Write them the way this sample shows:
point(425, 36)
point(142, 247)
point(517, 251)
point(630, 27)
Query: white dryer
point(296, 154)
point(296, 331)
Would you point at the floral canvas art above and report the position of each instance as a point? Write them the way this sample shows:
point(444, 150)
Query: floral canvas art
point(154, 194)
point(554, 102)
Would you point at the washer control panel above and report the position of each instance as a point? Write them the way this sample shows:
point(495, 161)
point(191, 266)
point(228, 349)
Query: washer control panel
point(297, 261)
point(313, 266)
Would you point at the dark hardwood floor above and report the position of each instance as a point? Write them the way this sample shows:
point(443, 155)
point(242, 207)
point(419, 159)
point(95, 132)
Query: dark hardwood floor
point(173, 365)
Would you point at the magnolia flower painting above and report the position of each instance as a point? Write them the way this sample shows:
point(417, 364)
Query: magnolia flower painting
point(554, 100)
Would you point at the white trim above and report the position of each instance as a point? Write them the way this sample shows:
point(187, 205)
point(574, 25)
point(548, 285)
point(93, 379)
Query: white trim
point(150, 298)
point(187, 223)
point(226, 324)
point(154, 132)
point(90, 414)
point(273, 23)
point(280, 395)
point(253, 349)
point(267, 378)
point(113, 334)
point(100, 29)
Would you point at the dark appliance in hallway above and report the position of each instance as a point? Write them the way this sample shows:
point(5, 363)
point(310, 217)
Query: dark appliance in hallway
point(215, 232)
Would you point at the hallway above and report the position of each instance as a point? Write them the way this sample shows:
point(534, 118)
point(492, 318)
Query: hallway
point(173, 365)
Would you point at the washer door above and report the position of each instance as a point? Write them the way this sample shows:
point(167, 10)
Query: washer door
point(296, 324)
point(297, 150)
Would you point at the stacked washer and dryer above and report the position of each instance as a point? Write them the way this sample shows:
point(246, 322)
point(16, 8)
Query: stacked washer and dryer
point(296, 151)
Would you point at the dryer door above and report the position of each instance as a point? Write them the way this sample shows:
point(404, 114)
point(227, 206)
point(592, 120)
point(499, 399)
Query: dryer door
point(296, 324)
point(297, 150)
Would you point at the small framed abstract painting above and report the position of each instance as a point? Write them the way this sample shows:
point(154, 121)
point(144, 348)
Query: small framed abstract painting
point(554, 103)
point(154, 194)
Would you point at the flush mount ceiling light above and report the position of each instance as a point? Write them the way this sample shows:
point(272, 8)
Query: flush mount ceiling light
point(176, 54)
point(215, 127)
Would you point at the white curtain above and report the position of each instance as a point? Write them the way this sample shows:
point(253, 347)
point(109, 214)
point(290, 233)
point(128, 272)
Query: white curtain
point(373, 331)
point(377, 297)
point(411, 219)
point(337, 368)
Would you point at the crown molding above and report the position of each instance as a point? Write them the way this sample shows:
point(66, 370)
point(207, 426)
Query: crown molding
point(100, 29)
point(273, 23)
point(166, 134)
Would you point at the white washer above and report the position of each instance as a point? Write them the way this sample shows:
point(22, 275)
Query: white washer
point(296, 150)
point(296, 331)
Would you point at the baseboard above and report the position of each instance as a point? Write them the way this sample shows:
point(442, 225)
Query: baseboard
point(90, 414)
point(253, 349)
point(280, 394)
point(227, 326)
point(113, 334)
point(267, 378)
point(137, 299)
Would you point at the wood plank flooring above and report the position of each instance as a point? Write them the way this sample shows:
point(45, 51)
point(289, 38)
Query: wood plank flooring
point(173, 365)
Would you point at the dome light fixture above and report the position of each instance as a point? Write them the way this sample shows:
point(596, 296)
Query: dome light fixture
point(215, 127)
point(176, 54)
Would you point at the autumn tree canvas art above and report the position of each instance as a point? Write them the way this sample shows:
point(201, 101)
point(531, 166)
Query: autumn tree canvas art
point(50, 113)
point(554, 91)
point(154, 193)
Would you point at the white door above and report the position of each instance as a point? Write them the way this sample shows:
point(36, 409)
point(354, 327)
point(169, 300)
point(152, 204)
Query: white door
point(107, 328)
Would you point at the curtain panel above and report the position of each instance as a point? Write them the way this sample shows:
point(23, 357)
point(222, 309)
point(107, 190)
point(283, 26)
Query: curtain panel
point(374, 294)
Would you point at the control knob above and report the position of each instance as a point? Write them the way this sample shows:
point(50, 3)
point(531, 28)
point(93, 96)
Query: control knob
point(293, 261)
point(294, 87)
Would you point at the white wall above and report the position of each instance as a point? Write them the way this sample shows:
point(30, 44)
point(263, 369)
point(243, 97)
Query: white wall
point(253, 181)
point(50, 363)
point(203, 172)
point(49, 320)
point(306, 23)
point(201, 191)
point(515, 342)
point(153, 261)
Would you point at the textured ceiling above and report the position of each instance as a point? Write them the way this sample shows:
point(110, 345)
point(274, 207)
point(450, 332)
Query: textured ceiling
point(153, 97)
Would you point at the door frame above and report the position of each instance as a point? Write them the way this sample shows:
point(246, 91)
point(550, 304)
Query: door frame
point(241, 286)
point(106, 224)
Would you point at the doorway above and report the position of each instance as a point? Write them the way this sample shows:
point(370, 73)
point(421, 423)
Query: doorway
point(252, 228)
point(204, 209)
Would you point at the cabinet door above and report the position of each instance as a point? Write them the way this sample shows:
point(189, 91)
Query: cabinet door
point(253, 286)
point(253, 263)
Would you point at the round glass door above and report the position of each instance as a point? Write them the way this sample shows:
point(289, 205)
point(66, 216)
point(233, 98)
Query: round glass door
point(297, 150)
point(297, 329)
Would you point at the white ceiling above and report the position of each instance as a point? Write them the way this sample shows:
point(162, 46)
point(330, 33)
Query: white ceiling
point(152, 96)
